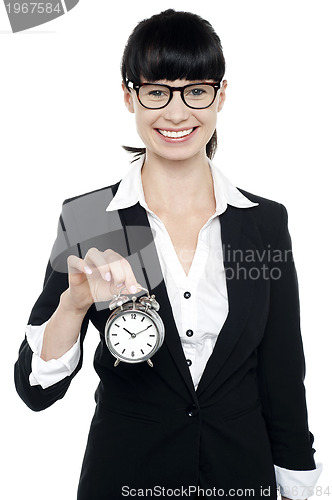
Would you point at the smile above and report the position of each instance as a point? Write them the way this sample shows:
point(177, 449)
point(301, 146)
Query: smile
point(176, 134)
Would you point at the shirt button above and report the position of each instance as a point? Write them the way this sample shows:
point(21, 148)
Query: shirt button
point(187, 295)
point(189, 333)
point(189, 362)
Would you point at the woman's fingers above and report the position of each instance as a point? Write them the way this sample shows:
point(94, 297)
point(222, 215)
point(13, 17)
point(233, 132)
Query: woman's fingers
point(121, 271)
point(77, 265)
point(95, 260)
point(99, 276)
point(110, 266)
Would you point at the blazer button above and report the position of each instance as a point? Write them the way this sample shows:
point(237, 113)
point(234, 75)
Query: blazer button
point(192, 411)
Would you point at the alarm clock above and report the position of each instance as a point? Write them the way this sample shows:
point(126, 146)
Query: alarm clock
point(134, 332)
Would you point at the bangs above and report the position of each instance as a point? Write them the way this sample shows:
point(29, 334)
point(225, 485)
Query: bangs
point(173, 45)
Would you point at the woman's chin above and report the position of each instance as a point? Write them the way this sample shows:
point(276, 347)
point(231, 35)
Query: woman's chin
point(176, 156)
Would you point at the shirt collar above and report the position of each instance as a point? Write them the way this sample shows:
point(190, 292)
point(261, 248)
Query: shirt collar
point(130, 191)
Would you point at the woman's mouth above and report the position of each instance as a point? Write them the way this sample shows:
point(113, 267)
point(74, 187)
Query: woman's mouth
point(176, 135)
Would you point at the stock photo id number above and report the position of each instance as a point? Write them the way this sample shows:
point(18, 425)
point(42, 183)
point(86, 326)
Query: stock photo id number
point(25, 15)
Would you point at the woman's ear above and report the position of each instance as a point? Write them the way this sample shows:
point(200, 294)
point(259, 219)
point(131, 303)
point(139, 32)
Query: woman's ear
point(222, 95)
point(128, 98)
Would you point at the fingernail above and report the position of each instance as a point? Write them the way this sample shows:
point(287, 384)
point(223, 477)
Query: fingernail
point(133, 289)
point(87, 270)
point(108, 276)
point(119, 285)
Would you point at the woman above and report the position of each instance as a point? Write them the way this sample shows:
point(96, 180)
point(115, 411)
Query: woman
point(223, 407)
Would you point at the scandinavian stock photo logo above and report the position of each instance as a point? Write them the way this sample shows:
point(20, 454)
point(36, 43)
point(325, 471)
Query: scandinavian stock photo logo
point(25, 15)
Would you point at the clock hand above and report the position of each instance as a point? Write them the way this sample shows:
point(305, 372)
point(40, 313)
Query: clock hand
point(144, 329)
point(132, 334)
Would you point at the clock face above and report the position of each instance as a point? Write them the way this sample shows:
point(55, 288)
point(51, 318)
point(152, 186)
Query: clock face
point(132, 336)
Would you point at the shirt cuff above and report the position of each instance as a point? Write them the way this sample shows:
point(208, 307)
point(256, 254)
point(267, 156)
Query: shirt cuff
point(47, 373)
point(297, 484)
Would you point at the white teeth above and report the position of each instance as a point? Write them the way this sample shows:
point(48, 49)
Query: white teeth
point(182, 133)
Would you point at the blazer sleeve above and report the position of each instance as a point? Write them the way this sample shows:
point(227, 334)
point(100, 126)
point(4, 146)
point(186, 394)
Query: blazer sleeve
point(55, 282)
point(281, 363)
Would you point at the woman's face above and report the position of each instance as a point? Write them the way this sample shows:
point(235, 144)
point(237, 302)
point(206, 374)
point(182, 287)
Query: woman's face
point(153, 124)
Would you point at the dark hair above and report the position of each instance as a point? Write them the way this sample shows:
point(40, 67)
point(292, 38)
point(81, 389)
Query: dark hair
point(173, 45)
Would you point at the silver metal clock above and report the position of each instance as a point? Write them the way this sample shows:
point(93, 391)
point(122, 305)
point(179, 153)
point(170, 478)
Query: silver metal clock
point(134, 331)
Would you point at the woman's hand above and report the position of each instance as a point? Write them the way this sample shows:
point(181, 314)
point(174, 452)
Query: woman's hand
point(97, 278)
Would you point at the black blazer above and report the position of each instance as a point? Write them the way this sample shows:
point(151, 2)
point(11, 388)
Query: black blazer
point(151, 429)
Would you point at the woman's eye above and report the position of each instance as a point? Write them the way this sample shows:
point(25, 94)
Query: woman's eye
point(156, 93)
point(196, 92)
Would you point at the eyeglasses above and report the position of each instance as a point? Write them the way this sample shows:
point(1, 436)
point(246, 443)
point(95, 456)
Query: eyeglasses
point(194, 95)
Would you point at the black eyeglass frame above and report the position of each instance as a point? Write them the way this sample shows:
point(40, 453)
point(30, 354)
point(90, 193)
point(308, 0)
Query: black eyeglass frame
point(215, 85)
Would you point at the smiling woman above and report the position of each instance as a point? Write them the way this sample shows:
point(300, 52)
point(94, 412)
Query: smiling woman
point(217, 412)
point(184, 113)
point(177, 47)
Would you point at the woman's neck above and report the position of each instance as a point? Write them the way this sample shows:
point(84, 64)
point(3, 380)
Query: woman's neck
point(179, 187)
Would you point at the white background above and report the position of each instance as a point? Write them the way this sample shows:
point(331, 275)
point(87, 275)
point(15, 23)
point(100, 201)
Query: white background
point(63, 122)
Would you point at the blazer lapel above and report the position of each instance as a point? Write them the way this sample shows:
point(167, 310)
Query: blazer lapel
point(239, 288)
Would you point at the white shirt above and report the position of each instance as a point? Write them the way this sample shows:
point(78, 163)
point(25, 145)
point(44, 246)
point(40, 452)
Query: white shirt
point(206, 282)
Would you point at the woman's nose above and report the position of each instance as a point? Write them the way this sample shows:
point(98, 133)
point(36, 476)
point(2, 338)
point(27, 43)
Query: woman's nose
point(176, 110)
